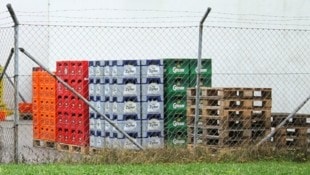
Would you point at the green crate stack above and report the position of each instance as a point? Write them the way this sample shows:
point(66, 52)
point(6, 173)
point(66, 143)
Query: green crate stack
point(205, 73)
point(179, 74)
point(176, 79)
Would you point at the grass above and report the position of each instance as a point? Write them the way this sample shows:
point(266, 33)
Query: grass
point(172, 161)
point(259, 167)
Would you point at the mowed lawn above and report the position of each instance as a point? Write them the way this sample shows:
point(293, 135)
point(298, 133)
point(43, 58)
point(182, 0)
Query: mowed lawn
point(272, 167)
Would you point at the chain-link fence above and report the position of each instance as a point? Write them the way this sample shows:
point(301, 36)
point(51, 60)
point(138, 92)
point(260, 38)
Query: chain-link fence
point(143, 80)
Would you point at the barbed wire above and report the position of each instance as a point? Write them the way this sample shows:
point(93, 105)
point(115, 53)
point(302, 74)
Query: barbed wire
point(111, 26)
point(164, 17)
point(112, 9)
point(258, 15)
point(5, 25)
point(3, 18)
point(259, 23)
point(2, 12)
point(166, 22)
point(167, 11)
point(114, 18)
point(256, 28)
point(113, 22)
point(167, 27)
point(267, 20)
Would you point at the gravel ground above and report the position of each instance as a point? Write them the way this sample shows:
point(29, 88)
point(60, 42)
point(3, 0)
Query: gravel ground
point(26, 151)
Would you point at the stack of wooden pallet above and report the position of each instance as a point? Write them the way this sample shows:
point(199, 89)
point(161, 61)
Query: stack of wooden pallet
point(295, 134)
point(229, 116)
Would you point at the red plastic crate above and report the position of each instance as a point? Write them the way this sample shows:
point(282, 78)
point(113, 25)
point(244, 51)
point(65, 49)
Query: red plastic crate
point(66, 102)
point(73, 102)
point(79, 119)
point(80, 136)
point(60, 118)
point(63, 135)
point(61, 89)
point(63, 118)
point(62, 68)
point(80, 85)
point(67, 136)
point(83, 139)
point(63, 103)
point(59, 104)
point(60, 134)
point(73, 67)
point(82, 68)
point(82, 108)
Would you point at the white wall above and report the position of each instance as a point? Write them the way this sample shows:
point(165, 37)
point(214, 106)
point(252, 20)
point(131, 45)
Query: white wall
point(243, 53)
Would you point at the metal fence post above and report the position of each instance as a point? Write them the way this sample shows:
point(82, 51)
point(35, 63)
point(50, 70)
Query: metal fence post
point(198, 76)
point(16, 92)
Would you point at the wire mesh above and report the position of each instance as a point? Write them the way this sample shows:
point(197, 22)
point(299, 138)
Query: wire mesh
point(253, 79)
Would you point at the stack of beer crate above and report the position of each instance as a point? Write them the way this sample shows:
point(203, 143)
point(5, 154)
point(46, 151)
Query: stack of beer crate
point(97, 99)
point(229, 117)
point(125, 99)
point(295, 134)
point(179, 74)
point(2, 104)
point(72, 112)
point(152, 79)
point(4, 111)
point(44, 109)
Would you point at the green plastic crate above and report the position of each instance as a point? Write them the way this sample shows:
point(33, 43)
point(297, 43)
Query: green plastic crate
point(205, 80)
point(175, 104)
point(176, 122)
point(206, 67)
point(176, 139)
point(175, 85)
point(176, 66)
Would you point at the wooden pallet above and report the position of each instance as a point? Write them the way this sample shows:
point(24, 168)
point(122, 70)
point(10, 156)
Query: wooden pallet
point(230, 103)
point(94, 150)
point(231, 93)
point(293, 132)
point(298, 120)
point(291, 142)
point(72, 148)
point(44, 144)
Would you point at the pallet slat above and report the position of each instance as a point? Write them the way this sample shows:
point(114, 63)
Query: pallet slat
point(72, 148)
point(44, 144)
